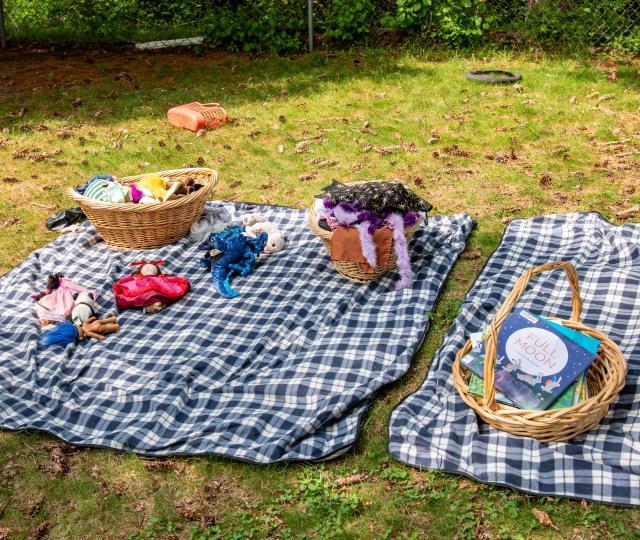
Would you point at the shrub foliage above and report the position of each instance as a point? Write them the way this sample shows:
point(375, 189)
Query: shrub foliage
point(280, 26)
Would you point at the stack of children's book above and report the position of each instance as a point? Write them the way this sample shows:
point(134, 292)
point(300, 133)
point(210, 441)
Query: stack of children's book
point(540, 364)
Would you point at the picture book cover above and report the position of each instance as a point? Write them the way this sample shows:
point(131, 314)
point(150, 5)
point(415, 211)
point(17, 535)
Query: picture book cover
point(572, 395)
point(536, 362)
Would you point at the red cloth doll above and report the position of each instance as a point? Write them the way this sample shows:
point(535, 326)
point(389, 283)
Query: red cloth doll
point(149, 288)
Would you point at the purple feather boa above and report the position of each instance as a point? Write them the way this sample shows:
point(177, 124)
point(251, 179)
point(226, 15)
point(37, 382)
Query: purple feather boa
point(367, 222)
point(396, 222)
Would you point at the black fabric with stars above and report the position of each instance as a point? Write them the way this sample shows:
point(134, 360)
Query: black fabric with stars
point(377, 196)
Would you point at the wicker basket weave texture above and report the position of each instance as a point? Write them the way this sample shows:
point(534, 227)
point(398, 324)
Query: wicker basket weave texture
point(349, 269)
point(147, 226)
point(605, 377)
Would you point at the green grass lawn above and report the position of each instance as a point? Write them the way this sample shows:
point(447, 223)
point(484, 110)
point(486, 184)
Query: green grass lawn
point(566, 139)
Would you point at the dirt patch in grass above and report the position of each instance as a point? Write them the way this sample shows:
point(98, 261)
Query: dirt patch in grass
point(41, 70)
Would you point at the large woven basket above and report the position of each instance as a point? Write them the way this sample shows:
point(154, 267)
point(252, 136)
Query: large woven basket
point(152, 225)
point(605, 377)
point(349, 269)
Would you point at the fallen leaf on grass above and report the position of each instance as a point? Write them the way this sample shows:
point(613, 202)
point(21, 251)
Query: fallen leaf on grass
point(41, 531)
point(418, 181)
point(302, 147)
point(470, 255)
point(21, 112)
point(282, 119)
point(77, 102)
point(201, 132)
point(458, 117)
point(454, 150)
point(518, 87)
point(483, 532)
point(159, 465)
point(10, 221)
point(57, 458)
point(194, 510)
point(200, 161)
point(404, 147)
point(139, 506)
point(545, 181)
point(605, 98)
point(254, 133)
point(308, 176)
point(502, 157)
point(543, 518)
point(10, 180)
point(529, 102)
point(323, 162)
point(366, 128)
point(366, 147)
point(35, 154)
point(32, 505)
point(161, 143)
point(465, 484)
point(435, 137)
point(351, 479)
point(627, 213)
point(460, 170)
point(235, 184)
point(573, 99)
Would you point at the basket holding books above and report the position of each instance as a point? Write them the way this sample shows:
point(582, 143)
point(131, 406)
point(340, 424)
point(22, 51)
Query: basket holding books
point(548, 379)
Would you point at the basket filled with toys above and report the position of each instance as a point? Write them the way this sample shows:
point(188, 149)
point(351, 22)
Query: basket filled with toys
point(148, 210)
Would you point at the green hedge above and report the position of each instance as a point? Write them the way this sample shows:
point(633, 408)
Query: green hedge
point(279, 26)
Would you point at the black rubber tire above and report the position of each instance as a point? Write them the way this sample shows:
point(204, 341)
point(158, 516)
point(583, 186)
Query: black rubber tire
point(493, 76)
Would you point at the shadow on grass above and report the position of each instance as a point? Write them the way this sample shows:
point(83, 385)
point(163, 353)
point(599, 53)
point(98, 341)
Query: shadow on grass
point(133, 86)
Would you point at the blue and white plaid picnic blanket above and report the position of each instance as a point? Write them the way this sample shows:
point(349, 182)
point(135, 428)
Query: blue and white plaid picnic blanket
point(283, 372)
point(433, 428)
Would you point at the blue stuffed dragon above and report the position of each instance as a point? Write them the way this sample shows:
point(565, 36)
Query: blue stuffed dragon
point(239, 254)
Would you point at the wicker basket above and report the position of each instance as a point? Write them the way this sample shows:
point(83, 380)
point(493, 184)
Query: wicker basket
point(605, 377)
point(152, 225)
point(349, 269)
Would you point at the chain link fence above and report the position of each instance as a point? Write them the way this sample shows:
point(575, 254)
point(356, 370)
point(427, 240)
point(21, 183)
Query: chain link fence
point(614, 23)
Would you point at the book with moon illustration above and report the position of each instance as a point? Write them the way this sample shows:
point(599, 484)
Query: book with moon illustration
point(536, 362)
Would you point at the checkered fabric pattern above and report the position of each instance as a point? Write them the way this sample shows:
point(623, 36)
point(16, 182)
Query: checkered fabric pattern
point(283, 372)
point(433, 428)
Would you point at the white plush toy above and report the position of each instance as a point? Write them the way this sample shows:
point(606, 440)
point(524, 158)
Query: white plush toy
point(254, 224)
point(85, 307)
point(252, 219)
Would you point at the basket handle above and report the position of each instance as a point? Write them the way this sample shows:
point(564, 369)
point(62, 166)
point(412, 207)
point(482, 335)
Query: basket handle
point(491, 343)
point(207, 104)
